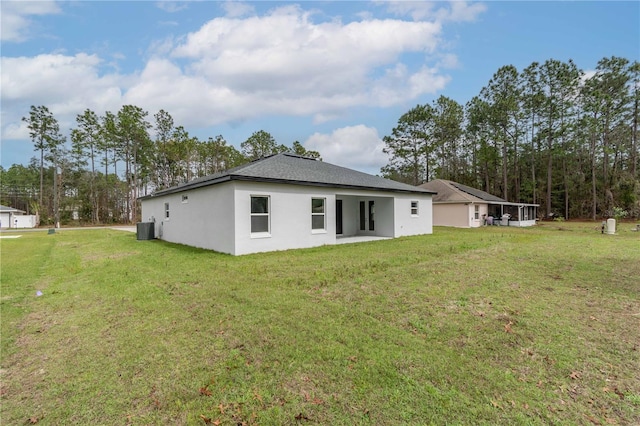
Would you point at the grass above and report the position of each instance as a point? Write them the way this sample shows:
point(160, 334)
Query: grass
point(486, 326)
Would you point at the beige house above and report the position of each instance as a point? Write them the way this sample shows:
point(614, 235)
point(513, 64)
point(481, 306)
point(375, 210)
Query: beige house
point(466, 207)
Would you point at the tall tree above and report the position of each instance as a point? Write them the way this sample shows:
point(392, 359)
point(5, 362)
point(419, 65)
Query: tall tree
point(214, 156)
point(164, 130)
point(259, 144)
point(86, 142)
point(570, 80)
point(478, 132)
point(44, 131)
point(410, 146)
point(109, 144)
point(533, 99)
point(558, 82)
point(607, 101)
point(298, 149)
point(187, 153)
point(448, 118)
point(502, 94)
point(132, 128)
point(634, 72)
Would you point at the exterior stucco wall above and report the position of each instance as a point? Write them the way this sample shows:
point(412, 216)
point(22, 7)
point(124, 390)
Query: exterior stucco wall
point(289, 215)
point(482, 214)
point(205, 219)
point(451, 215)
point(460, 215)
point(384, 216)
point(219, 217)
point(408, 224)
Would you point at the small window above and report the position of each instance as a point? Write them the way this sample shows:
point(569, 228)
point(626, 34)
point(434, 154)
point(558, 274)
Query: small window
point(166, 210)
point(414, 208)
point(477, 212)
point(185, 199)
point(259, 214)
point(317, 214)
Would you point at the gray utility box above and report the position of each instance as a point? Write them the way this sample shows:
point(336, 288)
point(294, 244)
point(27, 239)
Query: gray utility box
point(145, 230)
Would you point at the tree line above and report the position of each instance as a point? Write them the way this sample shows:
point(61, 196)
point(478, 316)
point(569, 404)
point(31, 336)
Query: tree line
point(548, 135)
point(112, 160)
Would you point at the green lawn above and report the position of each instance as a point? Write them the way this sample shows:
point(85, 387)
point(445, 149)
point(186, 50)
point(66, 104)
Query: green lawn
point(487, 326)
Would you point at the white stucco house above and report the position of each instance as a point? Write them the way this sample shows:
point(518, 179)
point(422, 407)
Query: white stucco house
point(286, 201)
point(466, 207)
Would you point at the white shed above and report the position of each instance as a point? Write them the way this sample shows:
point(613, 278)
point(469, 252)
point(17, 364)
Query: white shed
point(286, 201)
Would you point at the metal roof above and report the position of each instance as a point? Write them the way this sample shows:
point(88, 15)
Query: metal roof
point(293, 169)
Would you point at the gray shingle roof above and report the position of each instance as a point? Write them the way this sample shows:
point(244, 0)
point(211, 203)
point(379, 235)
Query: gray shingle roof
point(449, 191)
point(294, 169)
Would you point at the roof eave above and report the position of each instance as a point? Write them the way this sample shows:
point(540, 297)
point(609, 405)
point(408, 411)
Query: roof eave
point(244, 178)
point(187, 187)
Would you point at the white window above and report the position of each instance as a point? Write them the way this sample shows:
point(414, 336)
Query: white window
point(318, 222)
point(259, 214)
point(477, 212)
point(166, 210)
point(414, 208)
point(185, 199)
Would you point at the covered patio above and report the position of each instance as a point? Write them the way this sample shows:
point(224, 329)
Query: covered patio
point(364, 217)
point(512, 214)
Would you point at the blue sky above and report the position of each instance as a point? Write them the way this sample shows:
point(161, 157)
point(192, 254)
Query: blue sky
point(335, 76)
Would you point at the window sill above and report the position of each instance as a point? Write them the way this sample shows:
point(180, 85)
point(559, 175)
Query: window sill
point(260, 235)
point(318, 231)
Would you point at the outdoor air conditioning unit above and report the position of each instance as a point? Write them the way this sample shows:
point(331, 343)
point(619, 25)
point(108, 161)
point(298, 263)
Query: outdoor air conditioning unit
point(145, 230)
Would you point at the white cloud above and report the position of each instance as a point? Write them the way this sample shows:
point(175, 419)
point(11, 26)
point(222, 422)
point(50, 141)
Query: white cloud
point(461, 11)
point(457, 10)
point(54, 78)
point(15, 22)
point(357, 147)
point(448, 61)
point(16, 130)
point(231, 70)
point(236, 9)
point(285, 63)
point(65, 84)
point(172, 6)
point(168, 23)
